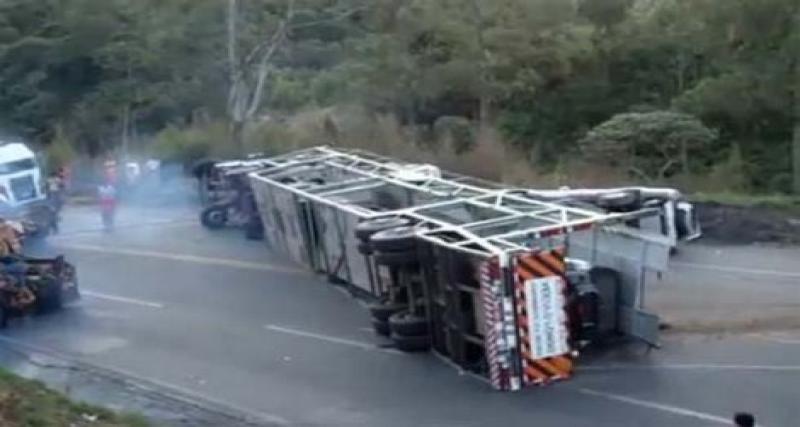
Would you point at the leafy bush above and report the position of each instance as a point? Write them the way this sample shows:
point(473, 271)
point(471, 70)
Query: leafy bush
point(457, 132)
point(652, 146)
point(60, 151)
point(728, 176)
point(191, 144)
point(289, 93)
point(269, 138)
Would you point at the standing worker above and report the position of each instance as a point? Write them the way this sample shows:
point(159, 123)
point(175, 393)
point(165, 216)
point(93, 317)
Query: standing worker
point(55, 197)
point(107, 195)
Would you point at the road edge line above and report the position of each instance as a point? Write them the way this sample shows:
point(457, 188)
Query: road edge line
point(196, 259)
point(121, 299)
point(330, 339)
point(675, 410)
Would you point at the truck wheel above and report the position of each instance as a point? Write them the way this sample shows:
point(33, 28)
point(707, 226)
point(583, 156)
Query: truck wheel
point(52, 299)
point(369, 227)
point(411, 344)
point(214, 217)
point(397, 259)
point(622, 201)
point(394, 239)
point(382, 312)
point(381, 328)
point(406, 324)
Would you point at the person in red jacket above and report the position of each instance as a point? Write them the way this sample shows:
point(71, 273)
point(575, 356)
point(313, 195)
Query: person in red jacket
point(107, 195)
point(110, 172)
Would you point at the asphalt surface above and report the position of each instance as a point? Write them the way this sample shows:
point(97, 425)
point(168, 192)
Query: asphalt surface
point(729, 288)
point(213, 315)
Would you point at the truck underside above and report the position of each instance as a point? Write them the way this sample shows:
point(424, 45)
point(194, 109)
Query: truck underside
point(507, 283)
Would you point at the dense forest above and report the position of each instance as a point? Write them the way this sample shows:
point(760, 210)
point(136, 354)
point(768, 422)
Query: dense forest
point(704, 94)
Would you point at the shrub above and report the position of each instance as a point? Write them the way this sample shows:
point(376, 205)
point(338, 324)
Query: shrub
point(652, 146)
point(458, 133)
point(191, 144)
point(60, 151)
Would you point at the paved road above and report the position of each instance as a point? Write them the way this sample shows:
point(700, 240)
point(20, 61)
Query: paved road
point(719, 288)
point(218, 316)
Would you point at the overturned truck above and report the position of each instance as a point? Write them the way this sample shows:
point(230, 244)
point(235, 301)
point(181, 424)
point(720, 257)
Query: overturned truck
point(226, 195)
point(507, 283)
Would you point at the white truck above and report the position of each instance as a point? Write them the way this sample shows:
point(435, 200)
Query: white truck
point(22, 194)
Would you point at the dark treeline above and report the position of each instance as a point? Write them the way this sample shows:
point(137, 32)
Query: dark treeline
point(660, 89)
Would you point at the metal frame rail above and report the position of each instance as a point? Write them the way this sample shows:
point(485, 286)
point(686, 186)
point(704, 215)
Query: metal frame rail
point(514, 220)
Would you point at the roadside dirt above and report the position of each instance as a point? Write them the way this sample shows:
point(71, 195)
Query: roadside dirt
point(733, 326)
point(748, 224)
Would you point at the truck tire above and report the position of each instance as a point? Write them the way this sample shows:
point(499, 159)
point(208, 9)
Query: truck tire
point(214, 217)
point(369, 227)
point(621, 201)
point(394, 239)
point(382, 312)
point(3, 315)
point(406, 324)
point(381, 328)
point(411, 344)
point(52, 299)
point(397, 259)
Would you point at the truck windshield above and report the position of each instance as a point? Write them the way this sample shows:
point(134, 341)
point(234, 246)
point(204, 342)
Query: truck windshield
point(17, 166)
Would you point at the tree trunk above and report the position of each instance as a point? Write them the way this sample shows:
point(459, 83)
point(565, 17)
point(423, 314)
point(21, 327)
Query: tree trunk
point(237, 136)
point(795, 81)
point(796, 131)
point(484, 60)
point(235, 104)
point(484, 114)
point(233, 33)
point(126, 117)
point(796, 148)
point(685, 159)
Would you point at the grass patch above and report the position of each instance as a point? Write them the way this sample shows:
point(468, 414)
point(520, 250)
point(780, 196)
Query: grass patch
point(780, 202)
point(25, 403)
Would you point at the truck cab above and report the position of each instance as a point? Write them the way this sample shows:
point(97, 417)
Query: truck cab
point(22, 197)
point(20, 176)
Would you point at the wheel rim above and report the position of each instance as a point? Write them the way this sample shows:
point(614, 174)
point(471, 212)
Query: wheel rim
point(216, 217)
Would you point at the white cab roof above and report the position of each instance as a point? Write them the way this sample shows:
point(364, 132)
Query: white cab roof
point(13, 151)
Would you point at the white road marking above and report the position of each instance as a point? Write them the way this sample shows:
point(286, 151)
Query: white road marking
point(658, 406)
point(117, 298)
point(728, 269)
point(331, 339)
point(225, 262)
point(777, 339)
point(166, 223)
point(693, 367)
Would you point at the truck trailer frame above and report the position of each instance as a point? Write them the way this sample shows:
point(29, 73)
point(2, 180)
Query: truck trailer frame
point(496, 270)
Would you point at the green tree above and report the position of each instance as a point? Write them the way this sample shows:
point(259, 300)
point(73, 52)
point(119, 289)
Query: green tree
point(748, 94)
point(651, 146)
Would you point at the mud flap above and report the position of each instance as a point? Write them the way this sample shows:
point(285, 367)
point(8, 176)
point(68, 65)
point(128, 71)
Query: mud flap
point(640, 324)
